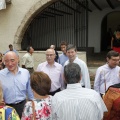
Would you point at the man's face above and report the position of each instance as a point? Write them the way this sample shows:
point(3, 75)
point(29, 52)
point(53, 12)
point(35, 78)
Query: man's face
point(113, 61)
point(11, 61)
point(50, 56)
point(71, 53)
point(63, 48)
point(11, 48)
point(31, 50)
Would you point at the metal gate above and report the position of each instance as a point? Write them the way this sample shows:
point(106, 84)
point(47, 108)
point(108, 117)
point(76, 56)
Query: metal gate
point(65, 20)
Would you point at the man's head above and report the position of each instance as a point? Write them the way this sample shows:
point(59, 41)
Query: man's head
point(113, 58)
point(11, 47)
point(71, 51)
point(50, 56)
point(63, 46)
point(30, 49)
point(72, 73)
point(52, 47)
point(11, 61)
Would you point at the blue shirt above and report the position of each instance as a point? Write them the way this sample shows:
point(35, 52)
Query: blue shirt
point(62, 59)
point(15, 87)
point(13, 51)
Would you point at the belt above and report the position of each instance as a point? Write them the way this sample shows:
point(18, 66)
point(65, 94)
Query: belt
point(17, 103)
point(52, 93)
point(30, 68)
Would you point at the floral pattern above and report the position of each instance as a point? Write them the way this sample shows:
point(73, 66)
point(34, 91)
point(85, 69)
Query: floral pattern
point(42, 109)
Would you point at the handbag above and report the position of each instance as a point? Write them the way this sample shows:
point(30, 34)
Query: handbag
point(33, 110)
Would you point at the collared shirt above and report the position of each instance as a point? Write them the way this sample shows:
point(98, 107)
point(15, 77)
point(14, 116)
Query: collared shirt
point(54, 72)
point(62, 59)
point(77, 103)
point(15, 87)
point(105, 77)
point(85, 80)
point(28, 60)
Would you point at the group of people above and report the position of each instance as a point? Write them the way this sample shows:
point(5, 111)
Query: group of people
point(60, 90)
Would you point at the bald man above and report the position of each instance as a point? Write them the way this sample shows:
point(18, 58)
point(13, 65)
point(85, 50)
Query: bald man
point(15, 83)
point(53, 70)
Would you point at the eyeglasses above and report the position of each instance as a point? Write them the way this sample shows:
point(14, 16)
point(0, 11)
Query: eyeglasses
point(47, 55)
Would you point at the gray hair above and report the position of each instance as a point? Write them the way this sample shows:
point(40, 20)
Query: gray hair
point(71, 46)
point(72, 73)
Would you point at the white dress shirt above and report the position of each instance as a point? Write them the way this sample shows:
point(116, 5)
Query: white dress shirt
point(77, 103)
point(55, 74)
point(85, 80)
point(105, 77)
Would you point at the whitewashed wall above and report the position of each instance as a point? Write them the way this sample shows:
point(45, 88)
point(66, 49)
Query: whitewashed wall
point(94, 27)
point(39, 56)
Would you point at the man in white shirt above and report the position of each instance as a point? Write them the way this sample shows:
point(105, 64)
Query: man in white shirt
point(28, 60)
point(53, 70)
point(72, 55)
point(108, 74)
point(75, 102)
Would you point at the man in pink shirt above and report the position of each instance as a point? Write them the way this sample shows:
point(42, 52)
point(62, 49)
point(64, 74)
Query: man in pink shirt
point(53, 70)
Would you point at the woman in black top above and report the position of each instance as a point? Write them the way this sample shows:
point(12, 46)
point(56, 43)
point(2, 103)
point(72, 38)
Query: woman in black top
point(115, 42)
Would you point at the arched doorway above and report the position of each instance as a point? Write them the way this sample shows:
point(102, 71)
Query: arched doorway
point(35, 9)
point(108, 26)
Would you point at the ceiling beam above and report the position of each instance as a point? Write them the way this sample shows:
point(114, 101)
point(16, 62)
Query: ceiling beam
point(44, 14)
point(61, 11)
point(69, 6)
point(110, 4)
point(53, 13)
point(97, 6)
point(79, 3)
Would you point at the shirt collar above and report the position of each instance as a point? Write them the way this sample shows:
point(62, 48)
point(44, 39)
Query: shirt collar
point(49, 65)
point(74, 59)
point(29, 54)
point(7, 71)
point(74, 86)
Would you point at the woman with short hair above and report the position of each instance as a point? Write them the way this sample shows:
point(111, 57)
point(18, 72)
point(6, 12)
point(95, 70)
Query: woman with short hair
point(41, 105)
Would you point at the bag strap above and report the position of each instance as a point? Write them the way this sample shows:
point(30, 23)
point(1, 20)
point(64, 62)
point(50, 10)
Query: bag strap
point(33, 110)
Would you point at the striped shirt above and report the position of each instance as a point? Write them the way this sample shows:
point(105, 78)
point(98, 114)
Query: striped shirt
point(77, 103)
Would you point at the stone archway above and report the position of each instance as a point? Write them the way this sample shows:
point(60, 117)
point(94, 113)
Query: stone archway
point(29, 16)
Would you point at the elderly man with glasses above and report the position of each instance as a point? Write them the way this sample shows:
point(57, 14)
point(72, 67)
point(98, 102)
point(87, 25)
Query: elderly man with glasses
point(53, 70)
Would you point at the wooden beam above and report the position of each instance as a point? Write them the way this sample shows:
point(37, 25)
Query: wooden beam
point(69, 6)
point(53, 13)
point(97, 6)
point(61, 11)
point(110, 4)
point(79, 3)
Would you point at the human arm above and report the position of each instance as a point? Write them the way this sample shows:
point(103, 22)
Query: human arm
point(108, 100)
point(27, 112)
point(62, 79)
point(53, 106)
point(24, 59)
point(101, 107)
point(97, 81)
point(29, 90)
point(85, 75)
